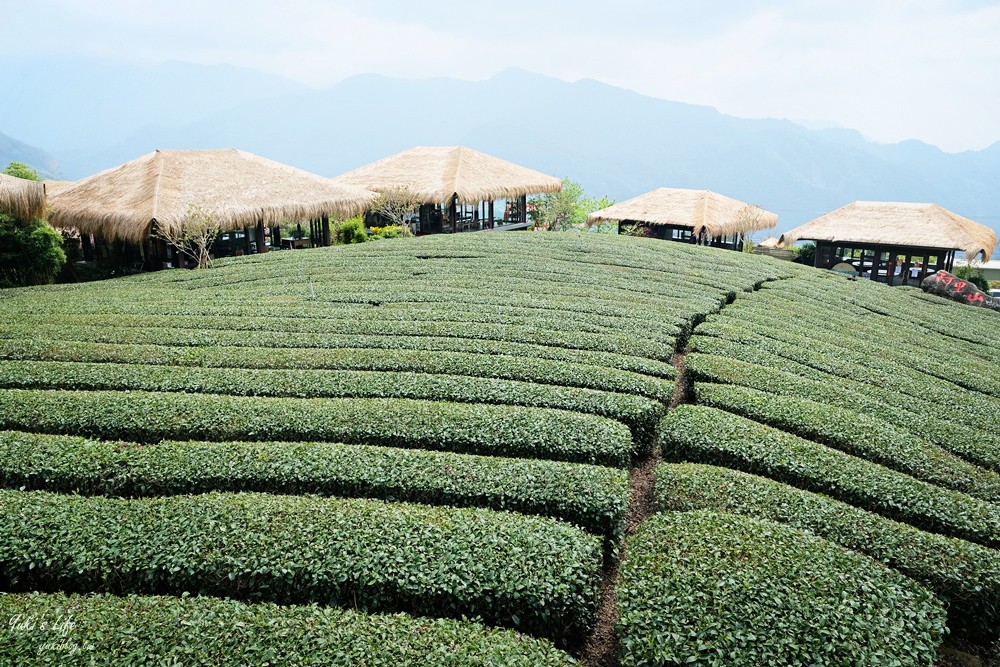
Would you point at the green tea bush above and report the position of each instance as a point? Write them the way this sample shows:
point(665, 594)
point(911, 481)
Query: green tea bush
point(719, 589)
point(105, 630)
point(640, 414)
point(592, 497)
point(499, 430)
point(530, 573)
point(458, 356)
point(588, 375)
point(706, 435)
point(963, 574)
point(883, 405)
point(855, 433)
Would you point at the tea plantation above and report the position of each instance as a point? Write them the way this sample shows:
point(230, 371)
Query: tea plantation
point(502, 449)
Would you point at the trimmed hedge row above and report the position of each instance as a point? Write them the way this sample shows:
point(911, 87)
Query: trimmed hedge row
point(965, 575)
point(19, 341)
point(501, 367)
point(640, 414)
point(896, 347)
point(975, 446)
point(706, 435)
point(497, 430)
point(661, 347)
point(103, 630)
point(855, 433)
point(531, 573)
point(718, 589)
point(593, 497)
point(957, 403)
point(256, 318)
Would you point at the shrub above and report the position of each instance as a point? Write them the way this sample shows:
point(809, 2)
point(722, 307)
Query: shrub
point(855, 433)
point(32, 252)
point(531, 573)
point(974, 275)
point(107, 630)
point(965, 575)
point(718, 589)
point(349, 231)
point(706, 435)
point(640, 414)
point(390, 232)
point(591, 496)
point(884, 405)
point(498, 430)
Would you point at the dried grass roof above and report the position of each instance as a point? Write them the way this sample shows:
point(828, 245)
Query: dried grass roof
point(898, 223)
point(236, 188)
point(55, 187)
point(23, 199)
point(700, 210)
point(433, 174)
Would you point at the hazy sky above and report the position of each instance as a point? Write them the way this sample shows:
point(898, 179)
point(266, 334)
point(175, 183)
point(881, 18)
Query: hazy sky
point(922, 69)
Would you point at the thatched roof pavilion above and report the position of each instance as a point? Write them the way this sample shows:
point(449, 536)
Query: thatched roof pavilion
point(872, 236)
point(236, 188)
point(453, 176)
point(23, 199)
point(434, 174)
point(53, 188)
point(689, 215)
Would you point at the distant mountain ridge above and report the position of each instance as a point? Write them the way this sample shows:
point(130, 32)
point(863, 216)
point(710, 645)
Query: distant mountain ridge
point(614, 141)
point(12, 150)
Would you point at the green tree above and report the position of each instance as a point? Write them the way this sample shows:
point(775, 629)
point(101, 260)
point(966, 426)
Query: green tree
point(566, 209)
point(31, 252)
point(21, 170)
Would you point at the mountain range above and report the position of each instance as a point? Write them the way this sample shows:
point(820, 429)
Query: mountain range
point(88, 115)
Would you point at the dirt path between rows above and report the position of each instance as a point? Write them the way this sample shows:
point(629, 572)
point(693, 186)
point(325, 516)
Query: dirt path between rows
point(601, 649)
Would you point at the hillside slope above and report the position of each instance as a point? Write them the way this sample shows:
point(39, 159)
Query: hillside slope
point(558, 442)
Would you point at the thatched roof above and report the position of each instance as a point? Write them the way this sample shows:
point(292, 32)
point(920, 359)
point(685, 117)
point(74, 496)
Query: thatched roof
point(698, 209)
point(55, 187)
point(236, 188)
point(433, 174)
point(769, 242)
point(898, 223)
point(23, 199)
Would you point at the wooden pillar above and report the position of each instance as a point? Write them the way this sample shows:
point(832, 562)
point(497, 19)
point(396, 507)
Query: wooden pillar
point(491, 223)
point(326, 230)
point(523, 205)
point(88, 249)
point(246, 240)
point(453, 212)
point(261, 242)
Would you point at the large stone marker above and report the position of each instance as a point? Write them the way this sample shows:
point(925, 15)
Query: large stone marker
point(952, 287)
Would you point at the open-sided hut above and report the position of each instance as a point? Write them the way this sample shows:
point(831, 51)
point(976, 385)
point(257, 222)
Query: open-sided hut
point(241, 192)
point(22, 198)
point(692, 216)
point(893, 242)
point(455, 187)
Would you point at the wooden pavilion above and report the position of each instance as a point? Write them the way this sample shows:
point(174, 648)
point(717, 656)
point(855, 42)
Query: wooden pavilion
point(702, 217)
point(898, 243)
point(21, 198)
point(245, 194)
point(455, 187)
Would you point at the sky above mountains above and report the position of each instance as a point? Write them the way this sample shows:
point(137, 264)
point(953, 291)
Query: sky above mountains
point(895, 70)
